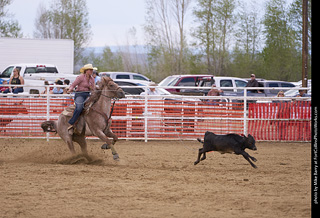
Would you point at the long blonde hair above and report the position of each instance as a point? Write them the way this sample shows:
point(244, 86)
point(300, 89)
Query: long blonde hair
point(280, 93)
point(18, 70)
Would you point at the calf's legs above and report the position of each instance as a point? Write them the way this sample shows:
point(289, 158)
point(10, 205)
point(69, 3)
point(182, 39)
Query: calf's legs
point(248, 157)
point(203, 153)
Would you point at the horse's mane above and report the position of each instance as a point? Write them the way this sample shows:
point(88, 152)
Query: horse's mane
point(95, 95)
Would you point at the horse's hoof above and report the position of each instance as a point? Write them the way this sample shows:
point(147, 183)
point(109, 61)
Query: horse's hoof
point(105, 146)
point(116, 157)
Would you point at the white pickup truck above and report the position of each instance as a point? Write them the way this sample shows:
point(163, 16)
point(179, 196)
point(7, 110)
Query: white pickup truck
point(35, 75)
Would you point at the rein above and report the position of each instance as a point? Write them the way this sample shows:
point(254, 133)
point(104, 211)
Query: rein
point(105, 116)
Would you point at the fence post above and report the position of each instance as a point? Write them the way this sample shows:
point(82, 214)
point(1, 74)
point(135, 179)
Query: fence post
point(245, 131)
point(146, 114)
point(48, 109)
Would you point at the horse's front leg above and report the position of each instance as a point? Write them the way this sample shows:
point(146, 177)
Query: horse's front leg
point(108, 144)
point(114, 137)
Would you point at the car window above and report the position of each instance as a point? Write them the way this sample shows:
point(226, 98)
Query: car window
point(167, 81)
point(274, 91)
point(122, 76)
point(139, 77)
point(240, 83)
point(31, 70)
point(189, 81)
point(286, 85)
point(273, 85)
point(7, 72)
point(206, 84)
point(131, 91)
point(226, 83)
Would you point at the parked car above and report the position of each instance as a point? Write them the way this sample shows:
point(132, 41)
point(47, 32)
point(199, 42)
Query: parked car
point(295, 92)
point(265, 92)
point(139, 89)
point(274, 84)
point(221, 82)
point(125, 75)
point(35, 74)
point(180, 81)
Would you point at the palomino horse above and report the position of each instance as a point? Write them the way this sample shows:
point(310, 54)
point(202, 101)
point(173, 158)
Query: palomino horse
point(94, 120)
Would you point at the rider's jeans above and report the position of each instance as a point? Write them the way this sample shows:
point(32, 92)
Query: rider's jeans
point(79, 100)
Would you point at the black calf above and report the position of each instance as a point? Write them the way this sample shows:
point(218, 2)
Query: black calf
point(230, 143)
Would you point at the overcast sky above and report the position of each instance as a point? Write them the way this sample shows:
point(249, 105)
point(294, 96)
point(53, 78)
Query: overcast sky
point(110, 20)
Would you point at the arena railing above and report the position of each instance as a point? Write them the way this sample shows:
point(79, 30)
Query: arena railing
point(170, 117)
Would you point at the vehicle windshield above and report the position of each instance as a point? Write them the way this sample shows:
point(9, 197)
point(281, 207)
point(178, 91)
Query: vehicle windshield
point(169, 81)
point(31, 70)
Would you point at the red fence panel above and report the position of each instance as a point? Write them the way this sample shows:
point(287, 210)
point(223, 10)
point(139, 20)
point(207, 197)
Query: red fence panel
point(284, 121)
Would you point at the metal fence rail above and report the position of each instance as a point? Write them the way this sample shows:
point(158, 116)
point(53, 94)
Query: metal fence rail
point(186, 117)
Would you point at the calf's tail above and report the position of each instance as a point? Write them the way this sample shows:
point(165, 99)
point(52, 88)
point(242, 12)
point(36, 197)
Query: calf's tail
point(199, 140)
point(49, 126)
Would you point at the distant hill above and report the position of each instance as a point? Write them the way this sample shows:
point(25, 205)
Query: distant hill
point(140, 49)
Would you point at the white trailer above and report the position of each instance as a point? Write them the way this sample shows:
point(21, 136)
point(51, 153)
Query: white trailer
point(59, 52)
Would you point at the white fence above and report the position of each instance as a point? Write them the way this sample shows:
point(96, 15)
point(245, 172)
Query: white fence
point(173, 117)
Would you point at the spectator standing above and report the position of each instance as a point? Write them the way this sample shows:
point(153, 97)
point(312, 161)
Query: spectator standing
point(253, 83)
point(214, 92)
point(96, 76)
point(46, 83)
point(57, 90)
point(302, 93)
point(67, 83)
point(152, 91)
point(16, 79)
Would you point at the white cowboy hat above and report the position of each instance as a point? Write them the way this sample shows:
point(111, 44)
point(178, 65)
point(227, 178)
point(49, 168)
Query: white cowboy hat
point(86, 67)
point(152, 84)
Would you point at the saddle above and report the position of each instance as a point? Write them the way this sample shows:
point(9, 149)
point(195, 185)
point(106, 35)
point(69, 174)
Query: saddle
point(79, 125)
point(68, 111)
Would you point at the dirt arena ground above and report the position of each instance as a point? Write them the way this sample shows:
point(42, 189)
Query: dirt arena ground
point(153, 179)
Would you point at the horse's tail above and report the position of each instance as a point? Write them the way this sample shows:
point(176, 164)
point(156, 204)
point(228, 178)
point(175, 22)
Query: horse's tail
point(49, 126)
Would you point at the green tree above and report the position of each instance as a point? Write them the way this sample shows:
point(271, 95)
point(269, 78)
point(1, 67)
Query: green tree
point(281, 59)
point(246, 55)
point(216, 20)
point(8, 26)
point(205, 32)
point(106, 61)
point(295, 19)
point(226, 19)
point(65, 19)
point(166, 37)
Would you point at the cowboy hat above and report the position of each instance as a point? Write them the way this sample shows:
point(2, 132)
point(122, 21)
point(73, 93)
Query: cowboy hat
point(86, 67)
point(152, 84)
